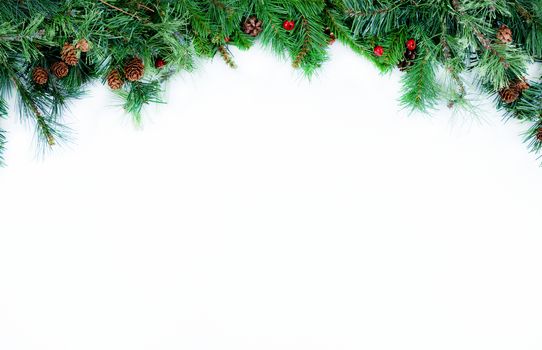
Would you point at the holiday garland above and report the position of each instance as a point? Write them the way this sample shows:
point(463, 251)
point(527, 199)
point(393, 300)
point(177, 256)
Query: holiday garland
point(50, 50)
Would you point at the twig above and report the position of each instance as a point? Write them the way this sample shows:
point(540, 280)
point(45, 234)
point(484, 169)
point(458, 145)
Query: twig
point(145, 7)
point(119, 9)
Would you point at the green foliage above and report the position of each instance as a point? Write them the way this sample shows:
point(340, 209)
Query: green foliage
point(421, 89)
point(457, 47)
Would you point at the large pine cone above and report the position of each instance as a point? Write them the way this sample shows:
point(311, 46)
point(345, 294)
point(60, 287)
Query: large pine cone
point(114, 80)
point(134, 70)
point(82, 45)
point(40, 76)
point(504, 34)
point(252, 26)
point(60, 69)
point(69, 55)
point(509, 94)
point(539, 134)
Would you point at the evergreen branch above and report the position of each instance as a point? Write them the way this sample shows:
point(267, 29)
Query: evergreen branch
point(2, 146)
point(306, 45)
point(226, 56)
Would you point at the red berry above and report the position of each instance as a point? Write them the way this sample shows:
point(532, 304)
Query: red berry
point(288, 25)
point(411, 44)
point(227, 39)
point(159, 63)
point(378, 50)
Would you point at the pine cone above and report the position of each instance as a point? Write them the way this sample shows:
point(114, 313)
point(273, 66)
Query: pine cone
point(60, 69)
point(40, 76)
point(504, 34)
point(403, 65)
point(252, 26)
point(521, 85)
point(407, 61)
point(539, 134)
point(69, 55)
point(410, 55)
point(114, 80)
point(509, 94)
point(82, 45)
point(134, 69)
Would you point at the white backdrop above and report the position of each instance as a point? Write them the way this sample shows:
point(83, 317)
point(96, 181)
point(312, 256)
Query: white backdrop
point(258, 210)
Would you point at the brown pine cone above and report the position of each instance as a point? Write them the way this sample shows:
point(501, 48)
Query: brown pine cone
point(504, 34)
point(252, 26)
point(114, 80)
point(410, 55)
point(60, 69)
point(403, 65)
point(539, 134)
point(40, 76)
point(509, 94)
point(69, 55)
point(134, 69)
point(408, 60)
point(521, 85)
point(82, 45)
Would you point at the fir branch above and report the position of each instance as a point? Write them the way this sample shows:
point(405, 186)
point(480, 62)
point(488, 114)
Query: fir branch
point(2, 146)
point(226, 56)
point(421, 90)
point(3, 113)
point(306, 44)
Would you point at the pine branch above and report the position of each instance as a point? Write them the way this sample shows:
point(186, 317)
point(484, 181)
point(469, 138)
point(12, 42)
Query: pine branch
point(226, 56)
point(306, 44)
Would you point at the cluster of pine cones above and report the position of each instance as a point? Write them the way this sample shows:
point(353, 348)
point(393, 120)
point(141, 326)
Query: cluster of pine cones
point(69, 55)
point(133, 71)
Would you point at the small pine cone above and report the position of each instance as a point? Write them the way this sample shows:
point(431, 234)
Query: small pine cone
point(60, 69)
point(509, 94)
point(114, 80)
point(521, 85)
point(82, 45)
point(539, 134)
point(504, 34)
point(403, 65)
point(410, 55)
point(69, 55)
point(134, 69)
point(252, 26)
point(40, 76)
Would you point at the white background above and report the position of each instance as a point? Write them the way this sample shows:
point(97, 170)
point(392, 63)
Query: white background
point(258, 210)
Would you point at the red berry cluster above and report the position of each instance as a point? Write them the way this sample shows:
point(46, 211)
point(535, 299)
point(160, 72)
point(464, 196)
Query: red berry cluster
point(288, 25)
